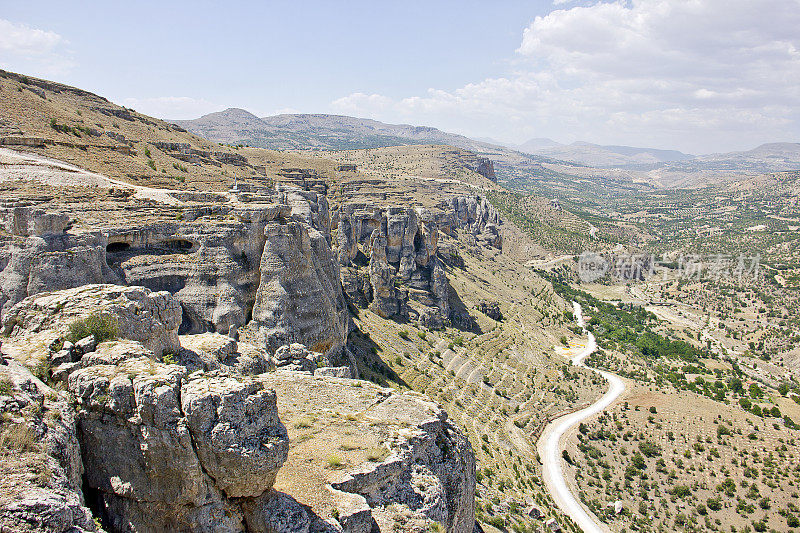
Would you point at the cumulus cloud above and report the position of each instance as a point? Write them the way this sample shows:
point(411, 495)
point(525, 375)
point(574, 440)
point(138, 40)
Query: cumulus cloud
point(33, 51)
point(699, 75)
point(173, 107)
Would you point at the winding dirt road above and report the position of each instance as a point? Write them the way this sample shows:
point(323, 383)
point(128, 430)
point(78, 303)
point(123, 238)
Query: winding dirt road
point(550, 442)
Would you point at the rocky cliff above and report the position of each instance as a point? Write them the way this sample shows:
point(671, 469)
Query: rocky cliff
point(268, 264)
point(265, 259)
point(155, 444)
point(168, 421)
point(389, 257)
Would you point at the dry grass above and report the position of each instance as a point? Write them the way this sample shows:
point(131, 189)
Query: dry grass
point(335, 462)
point(377, 455)
point(19, 437)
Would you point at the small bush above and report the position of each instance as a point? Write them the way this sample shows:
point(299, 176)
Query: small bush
point(377, 454)
point(103, 327)
point(304, 422)
point(42, 370)
point(715, 504)
point(334, 461)
point(422, 335)
point(6, 386)
point(681, 491)
point(403, 334)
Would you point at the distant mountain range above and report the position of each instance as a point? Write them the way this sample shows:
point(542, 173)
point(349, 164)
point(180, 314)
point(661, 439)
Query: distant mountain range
point(596, 155)
point(324, 132)
point(336, 132)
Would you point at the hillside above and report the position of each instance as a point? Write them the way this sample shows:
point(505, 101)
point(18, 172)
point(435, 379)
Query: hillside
point(164, 293)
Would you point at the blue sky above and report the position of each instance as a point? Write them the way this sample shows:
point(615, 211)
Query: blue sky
point(700, 76)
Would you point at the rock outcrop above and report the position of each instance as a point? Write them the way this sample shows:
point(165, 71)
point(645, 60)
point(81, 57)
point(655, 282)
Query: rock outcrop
point(40, 460)
point(485, 168)
point(227, 264)
point(299, 298)
point(156, 444)
point(138, 314)
point(388, 257)
point(431, 470)
point(478, 216)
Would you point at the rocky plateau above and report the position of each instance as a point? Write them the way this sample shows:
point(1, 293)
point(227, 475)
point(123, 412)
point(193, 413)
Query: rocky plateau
point(169, 416)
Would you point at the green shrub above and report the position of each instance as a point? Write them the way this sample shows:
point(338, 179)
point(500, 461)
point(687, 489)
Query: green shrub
point(403, 334)
point(6, 386)
point(103, 327)
point(681, 491)
point(715, 504)
point(649, 448)
point(42, 370)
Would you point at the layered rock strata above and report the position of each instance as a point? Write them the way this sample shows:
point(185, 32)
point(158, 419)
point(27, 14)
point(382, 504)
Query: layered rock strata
point(389, 257)
point(267, 265)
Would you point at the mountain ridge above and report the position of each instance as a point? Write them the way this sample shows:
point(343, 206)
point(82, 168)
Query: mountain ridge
point(318, 131)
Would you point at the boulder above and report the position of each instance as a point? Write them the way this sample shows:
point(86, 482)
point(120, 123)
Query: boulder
point(238, 435)
point(151, 318)
point(167, 450)
point(275, 512)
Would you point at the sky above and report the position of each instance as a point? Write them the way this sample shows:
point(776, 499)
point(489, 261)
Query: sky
point(699, 76)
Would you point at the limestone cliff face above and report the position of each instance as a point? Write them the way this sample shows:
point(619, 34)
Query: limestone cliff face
point(476, 215)
point(33, 502)
point(401, 244)
point(227, 264)
point(299, 298)
point(389, 258)
point(163, 445)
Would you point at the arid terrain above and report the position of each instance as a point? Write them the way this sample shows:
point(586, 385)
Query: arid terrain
point(206, 334)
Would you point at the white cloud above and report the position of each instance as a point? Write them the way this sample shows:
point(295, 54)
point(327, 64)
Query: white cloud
point(699, 75)
point(173, 107)
point(33, 51)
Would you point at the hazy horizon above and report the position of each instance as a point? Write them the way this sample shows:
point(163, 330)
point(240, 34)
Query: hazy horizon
point(699, 77)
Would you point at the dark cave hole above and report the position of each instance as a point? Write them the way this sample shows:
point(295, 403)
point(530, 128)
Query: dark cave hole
point(116, 247)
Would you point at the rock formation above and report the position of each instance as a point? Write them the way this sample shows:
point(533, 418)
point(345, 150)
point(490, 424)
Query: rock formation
point(227, 265)
point(41, 463)
point(478, 216)
point(389, 257)
point(402, 265)
point(162, 446)
point(485, 168)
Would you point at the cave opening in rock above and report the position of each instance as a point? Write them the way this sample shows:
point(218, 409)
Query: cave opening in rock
point(116, 247)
